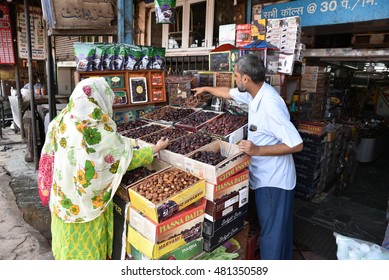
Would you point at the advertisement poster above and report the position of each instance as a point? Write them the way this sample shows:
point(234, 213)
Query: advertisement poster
point(38, 37)
point(6, 47)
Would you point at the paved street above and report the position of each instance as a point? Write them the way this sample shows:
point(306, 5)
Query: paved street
point(19, 202)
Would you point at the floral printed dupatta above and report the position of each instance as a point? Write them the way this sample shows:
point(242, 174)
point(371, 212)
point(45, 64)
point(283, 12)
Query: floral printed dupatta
point(84, 158)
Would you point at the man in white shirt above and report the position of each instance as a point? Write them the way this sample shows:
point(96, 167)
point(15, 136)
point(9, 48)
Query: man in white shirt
point(272, 139)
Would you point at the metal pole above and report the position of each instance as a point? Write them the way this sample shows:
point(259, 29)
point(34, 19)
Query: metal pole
point(49, 72)
point(17, 73)
point(128, 22)
point(121, 13)
point(248, 11)
point(30, 80)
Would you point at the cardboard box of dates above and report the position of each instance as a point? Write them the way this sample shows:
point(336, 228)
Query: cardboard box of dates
point(202, 161)
point(183, 223)
point(177, 150)
point(229, 128)
point(211, 228)
point(221, 236)
point(164, 193)
point(227, 204)
point(187, 251)
point(231, 184)
point(235, 244)
point(168, 114)
point(156, 250)
point(132, 177)
point(197, 120)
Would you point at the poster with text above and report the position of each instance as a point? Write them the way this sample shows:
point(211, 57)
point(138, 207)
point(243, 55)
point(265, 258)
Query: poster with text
point(38, 33)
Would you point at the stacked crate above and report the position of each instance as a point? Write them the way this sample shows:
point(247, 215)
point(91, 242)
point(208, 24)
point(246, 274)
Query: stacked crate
point(314, 82)
point(226, 192)
point(158, 227)
point(309, 161)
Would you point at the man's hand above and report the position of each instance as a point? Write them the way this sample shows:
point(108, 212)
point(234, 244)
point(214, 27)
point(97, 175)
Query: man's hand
point(247, 147)
point(199, 91)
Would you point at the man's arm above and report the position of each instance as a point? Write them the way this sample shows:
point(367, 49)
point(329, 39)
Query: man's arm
point(223, 92)
point(249, 148)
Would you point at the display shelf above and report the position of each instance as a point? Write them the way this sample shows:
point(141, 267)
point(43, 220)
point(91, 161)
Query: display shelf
point(132, 88)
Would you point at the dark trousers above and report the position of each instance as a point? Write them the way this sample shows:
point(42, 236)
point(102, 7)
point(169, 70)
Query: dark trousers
point(275, 215)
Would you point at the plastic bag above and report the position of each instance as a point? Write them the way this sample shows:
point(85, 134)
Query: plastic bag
point(356, 249)
point(165, 11)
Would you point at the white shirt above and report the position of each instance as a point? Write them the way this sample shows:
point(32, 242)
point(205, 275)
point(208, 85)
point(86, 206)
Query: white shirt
point(270, 124)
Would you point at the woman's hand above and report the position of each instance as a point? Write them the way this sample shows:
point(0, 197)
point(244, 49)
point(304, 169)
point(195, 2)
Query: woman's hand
point(161, 144)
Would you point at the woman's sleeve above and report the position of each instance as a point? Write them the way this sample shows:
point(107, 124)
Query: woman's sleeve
point(141, 157)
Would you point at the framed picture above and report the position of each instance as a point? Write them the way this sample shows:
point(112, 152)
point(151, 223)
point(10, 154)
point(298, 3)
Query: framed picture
point(115, 81)
point(138, 90)
point(120, 98)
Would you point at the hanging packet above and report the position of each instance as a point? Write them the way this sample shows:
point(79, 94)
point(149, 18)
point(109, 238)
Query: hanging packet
point(133, 56)
point(108, 57)
point(165, 11)
point(84, 54)
point(159, 59)
point(97, 63)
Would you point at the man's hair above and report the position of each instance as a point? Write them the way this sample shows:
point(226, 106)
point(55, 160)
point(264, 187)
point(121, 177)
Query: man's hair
point(252, 66)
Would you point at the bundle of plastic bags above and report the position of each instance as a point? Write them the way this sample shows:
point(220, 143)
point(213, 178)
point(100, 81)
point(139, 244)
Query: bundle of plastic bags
point(356, 249)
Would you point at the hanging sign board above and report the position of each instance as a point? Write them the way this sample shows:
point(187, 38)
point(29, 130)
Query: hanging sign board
point(37, 31)
point(318, 12)
point(79, 17)
point(6, 47)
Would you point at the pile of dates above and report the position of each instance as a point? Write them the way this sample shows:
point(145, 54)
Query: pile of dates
point(198, 118)
point(130, 125)
point(141, 131)
point(136, 174)
point(189, 143)
point(171, 133)
point(201, 100)
point(161, 186)
point(208, 157)
point(169, 114)
point(225, 125)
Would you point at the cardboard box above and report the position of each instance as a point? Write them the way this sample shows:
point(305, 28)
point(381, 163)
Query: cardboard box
point(309, 84)
point(178, 224)
point(235, 244)
point(313, 76)
point(185, 252)
point(315, 128)
point(308, 158)
point(156, 165)
point(312, 138)
point(157, 250)
point(235, 162)
point(243, 34)
point(164, 114)
point(258, 29)
point(193, 117)
point(222, 207)
point(170, 132)
point(165, 209)
point(286, 63)
point(221, 236)
point(176, 159)
point(211, 228)
point(120, 227)
point(231, 184)
point(315, 69)
point(227, 34)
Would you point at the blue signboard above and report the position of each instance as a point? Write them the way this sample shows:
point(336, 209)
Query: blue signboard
point(318, 12)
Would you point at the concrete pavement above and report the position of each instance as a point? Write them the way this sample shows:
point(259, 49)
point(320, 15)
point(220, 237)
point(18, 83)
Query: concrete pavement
point(24, 223)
